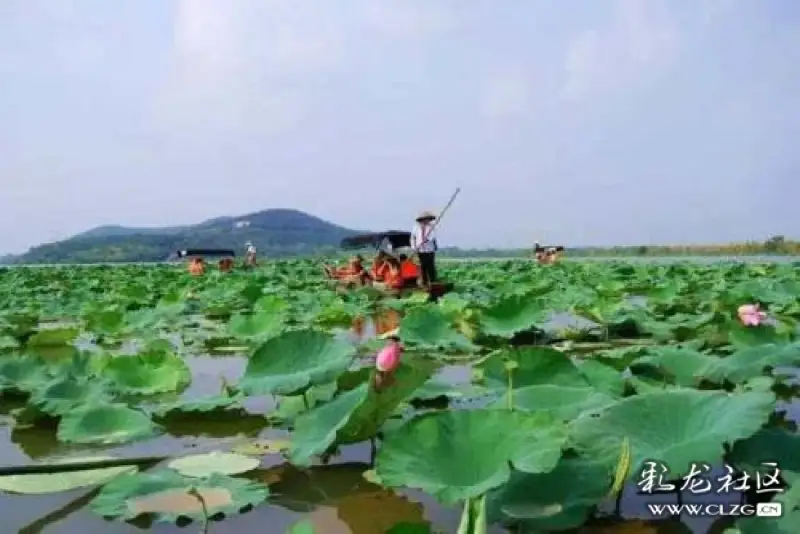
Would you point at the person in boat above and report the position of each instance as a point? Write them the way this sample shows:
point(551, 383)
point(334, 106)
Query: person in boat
point(409, 271)
point(424, 244)
point(545, 255)
point(225, 265)
point(197, 266)
point(250, 254)
point(379, 266)
point(353, 272)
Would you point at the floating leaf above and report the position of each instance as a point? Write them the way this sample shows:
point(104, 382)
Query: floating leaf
point(203, 465)
point(168, 496)
point(57, 482)
point(105, 424)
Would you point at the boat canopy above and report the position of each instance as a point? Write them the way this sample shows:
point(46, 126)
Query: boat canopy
point(548, 248)
point(395, 238)
point(199, 252)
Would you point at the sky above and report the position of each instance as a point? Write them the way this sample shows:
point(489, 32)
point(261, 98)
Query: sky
point(587, 122)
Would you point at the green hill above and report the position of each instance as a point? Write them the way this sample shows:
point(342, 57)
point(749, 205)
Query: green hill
point(276, 233)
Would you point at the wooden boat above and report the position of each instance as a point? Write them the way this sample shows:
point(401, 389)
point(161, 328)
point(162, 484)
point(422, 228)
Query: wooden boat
point(391, 242)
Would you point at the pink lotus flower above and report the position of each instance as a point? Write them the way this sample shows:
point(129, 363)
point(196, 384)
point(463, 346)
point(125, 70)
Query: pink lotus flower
point(751, 314)
point(387, 362)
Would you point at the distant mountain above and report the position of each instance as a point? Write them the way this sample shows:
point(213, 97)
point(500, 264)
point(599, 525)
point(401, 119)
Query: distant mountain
point(275, 232)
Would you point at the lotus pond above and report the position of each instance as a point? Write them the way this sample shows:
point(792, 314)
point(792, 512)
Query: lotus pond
point(528, 401)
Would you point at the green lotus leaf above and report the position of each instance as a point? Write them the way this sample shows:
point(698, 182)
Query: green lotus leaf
point(265, 321)
point(787, 524)
point(54, 337)
point(512, 315)
point(302, 527)
point(206, 404)
point(263, 447)
point(61, 395)
point(428, 327)
point(563, 402)
point(216, 462)
point(676, 427)
point(168, 496)
point(106, 321)
point(682, 365)
point(104, 424)
point(155, 371)
point(355, 415)
point(22, 374)
point(768, 445)
point(743, 336)
point(451, 441)
point(57, 482)
point(535, 365)
point(602, 377)
point(750, 362)
point(293, 361)
point(290, 407)
point(559, 500)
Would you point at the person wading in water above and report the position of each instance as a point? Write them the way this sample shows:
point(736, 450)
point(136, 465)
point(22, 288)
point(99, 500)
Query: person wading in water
point(423, 242)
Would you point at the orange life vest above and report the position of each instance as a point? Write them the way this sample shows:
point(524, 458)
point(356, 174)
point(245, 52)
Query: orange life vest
point(409, 270)
point(392, 277)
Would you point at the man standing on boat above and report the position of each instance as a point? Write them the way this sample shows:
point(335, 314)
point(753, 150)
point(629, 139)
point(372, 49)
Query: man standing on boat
point(423, 242)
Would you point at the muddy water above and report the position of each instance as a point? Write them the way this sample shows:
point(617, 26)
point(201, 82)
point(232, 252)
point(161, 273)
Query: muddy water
point(335, 497)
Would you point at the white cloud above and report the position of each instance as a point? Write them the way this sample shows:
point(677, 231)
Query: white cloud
point(642, 35)
point(508, 95)
point(408, 19)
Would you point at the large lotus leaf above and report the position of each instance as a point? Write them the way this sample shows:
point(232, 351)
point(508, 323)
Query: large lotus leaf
point(54, 337)
point(289, 408)
point(22, 374)
point(370, 415)
point(743, 336)
point(105, 424)
point(682, 365)
point(315, 430)
point(676, 427)
point(169, 496)
point(428, 327)
point(768, 445)
point(787, 524)
point(356, 415)
point(750, 362)
point(264, 322)
point(602, 377)
point(56, 482)
point(463, 457)
point(215, 462)
point(63, 394)
point(559, 500)
point(155, 371)
point(511, 315)
point(534, 365)
point(563, 402)
point(106, 321)
point(291, 362)
point(205, 404)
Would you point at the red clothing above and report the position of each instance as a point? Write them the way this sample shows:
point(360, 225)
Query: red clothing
point(409, 270)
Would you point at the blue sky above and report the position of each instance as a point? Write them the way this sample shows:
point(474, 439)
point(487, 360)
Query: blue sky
point(579, 122)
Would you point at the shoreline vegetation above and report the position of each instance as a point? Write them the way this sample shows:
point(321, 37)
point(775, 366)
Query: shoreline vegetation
point(775, 246)
point(124, 251)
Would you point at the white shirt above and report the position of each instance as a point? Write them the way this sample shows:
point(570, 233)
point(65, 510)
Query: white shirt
point(423, 239)
point(251, 249)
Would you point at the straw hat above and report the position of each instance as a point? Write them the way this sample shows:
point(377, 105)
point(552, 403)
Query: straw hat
point(426, 216)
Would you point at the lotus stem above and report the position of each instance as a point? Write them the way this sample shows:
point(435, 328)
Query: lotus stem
point(82, 466)
point(196, 494)
point(373, 451)
point(464, 524)
point(305, 401)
